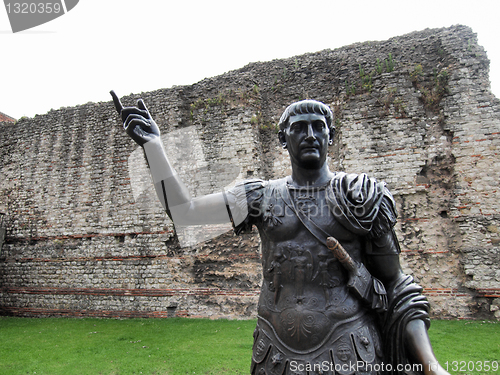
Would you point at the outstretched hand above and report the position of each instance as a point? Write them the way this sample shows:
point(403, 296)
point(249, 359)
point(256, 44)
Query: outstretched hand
point(137, 121)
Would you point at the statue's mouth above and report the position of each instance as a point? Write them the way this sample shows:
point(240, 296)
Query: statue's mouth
point(309, 148)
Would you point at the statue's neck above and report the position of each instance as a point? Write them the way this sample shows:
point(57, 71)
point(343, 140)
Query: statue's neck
point(310, 177)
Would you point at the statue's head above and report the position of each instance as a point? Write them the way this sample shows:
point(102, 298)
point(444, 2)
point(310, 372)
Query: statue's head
point(306, 131)
point(304, 107)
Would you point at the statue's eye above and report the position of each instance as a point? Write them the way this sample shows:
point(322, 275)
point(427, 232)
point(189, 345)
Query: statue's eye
point(319, 125)
point(296, 126)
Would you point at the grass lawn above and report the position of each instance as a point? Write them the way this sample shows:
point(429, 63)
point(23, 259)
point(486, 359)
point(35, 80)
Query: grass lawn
point(188, 346)
point(464, 346)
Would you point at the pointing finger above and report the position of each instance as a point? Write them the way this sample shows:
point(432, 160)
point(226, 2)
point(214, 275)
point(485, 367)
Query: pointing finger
point(116, 101)
point(141, 105)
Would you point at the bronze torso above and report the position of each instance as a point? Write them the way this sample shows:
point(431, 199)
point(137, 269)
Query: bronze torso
point(306, 312)
point(304, 292)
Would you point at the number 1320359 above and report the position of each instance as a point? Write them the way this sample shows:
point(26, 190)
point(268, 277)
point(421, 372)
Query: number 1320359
point(463, 366)
point(32, 8)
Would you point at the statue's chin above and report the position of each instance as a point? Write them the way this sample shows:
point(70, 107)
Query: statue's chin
point(311, 163)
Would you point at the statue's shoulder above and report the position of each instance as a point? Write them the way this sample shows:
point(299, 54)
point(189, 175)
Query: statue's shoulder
point(247, 190)
point(278, 183)
point(255, 188)
point(251, 201)
point(356, 183)
point(359, 188)
point(361, 203)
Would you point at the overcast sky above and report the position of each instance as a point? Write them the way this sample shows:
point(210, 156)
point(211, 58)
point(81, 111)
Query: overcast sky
point(133, 46)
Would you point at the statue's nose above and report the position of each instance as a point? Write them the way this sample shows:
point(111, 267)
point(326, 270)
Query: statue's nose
point(310, 132)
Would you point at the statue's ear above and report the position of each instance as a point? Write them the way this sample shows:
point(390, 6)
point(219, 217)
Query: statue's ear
point(282, 139)
point(332, 134)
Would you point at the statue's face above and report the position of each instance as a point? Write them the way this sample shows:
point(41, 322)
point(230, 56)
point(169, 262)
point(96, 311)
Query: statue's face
point(307, 137)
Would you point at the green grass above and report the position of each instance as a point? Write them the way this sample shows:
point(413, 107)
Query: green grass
point(466, 344)
point(135, 346)
point(184, 346)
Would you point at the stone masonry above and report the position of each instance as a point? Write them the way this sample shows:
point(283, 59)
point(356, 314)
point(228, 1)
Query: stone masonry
point(86, 235)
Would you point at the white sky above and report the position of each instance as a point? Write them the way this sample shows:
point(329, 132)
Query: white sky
point(133, 46)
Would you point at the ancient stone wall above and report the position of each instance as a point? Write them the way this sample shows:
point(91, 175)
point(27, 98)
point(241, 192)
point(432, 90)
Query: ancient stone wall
point(86, 235)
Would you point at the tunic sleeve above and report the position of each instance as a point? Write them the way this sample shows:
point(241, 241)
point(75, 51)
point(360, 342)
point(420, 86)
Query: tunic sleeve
point(243, 203)
point(406, 303)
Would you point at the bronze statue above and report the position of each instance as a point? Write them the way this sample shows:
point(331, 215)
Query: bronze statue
point(334, 299)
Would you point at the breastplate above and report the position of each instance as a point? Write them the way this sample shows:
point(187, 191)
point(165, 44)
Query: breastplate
point(304, 292)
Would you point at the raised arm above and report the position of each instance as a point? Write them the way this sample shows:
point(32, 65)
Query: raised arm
point(172, 193)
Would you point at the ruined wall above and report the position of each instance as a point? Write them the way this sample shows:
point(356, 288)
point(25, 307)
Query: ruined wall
point(86, 235)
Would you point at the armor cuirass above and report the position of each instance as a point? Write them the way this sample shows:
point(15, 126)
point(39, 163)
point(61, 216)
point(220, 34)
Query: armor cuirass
point(304, 293)
point(306, 313)
point(309, 321)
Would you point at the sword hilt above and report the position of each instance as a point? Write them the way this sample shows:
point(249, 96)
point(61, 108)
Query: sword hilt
point(341, 254)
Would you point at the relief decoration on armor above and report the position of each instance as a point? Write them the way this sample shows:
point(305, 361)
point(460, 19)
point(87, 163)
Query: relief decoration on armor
point(301, 271)
point(303, 326)
point(364, 344)
point(273, 208)
point(343, 355)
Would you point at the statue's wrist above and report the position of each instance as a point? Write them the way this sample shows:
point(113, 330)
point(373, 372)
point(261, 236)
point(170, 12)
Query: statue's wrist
point(157, 159)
